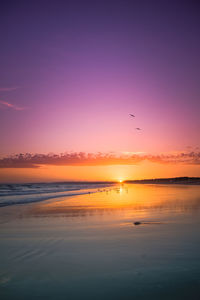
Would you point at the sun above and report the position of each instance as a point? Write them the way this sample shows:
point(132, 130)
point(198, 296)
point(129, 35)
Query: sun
point(120, 180)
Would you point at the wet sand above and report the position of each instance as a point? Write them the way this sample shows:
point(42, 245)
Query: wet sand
point(87, 246)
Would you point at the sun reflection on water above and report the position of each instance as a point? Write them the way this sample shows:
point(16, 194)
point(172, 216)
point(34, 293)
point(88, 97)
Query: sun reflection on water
point(124, 200)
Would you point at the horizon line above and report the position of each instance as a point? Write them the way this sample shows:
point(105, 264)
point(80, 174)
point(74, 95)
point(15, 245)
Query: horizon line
point(109, 181)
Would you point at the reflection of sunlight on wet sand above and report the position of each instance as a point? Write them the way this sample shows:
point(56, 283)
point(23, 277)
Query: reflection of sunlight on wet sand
point(126, 200)
point(77, 237)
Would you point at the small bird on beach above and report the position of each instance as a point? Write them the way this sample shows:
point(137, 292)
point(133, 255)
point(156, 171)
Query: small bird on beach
point(137, 223)
point(138, 128)
point(132, 115)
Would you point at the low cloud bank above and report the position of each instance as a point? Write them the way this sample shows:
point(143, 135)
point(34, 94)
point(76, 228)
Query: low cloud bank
point(99, 159)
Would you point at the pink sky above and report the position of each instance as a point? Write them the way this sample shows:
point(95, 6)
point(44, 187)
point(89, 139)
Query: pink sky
point(70, 85)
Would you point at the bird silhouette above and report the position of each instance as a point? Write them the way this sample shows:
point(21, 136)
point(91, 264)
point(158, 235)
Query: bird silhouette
point(138, 128)
point(132, 115)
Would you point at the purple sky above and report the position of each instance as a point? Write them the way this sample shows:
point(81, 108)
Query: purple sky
point(70, 74)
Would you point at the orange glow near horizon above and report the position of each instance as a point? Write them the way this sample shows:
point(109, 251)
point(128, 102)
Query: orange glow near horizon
point(97, 173)
point(131, 200)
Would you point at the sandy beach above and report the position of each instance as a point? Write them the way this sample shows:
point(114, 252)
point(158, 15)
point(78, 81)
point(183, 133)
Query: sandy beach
point(87, 246)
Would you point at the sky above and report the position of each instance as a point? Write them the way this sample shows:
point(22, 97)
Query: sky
point(71, 72)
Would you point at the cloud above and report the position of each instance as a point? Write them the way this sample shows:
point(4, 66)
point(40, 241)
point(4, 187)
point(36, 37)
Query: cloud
point(95, 159)
point(8, 89)
point(4, 104)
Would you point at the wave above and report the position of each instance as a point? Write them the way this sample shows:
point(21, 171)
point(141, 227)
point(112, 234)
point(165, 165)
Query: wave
point(13, 194)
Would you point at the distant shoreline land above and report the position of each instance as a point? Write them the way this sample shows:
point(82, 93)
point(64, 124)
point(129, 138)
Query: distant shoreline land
point(174, 180)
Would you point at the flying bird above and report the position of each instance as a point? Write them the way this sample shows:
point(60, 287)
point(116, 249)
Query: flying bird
point(138, 128)
point(132, 115)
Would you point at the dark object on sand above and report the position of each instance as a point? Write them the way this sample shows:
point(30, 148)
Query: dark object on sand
point(137, 223)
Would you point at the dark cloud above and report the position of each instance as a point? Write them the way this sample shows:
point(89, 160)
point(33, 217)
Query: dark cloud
point(90, 159)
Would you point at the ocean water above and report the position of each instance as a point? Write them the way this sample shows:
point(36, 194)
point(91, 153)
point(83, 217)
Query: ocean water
point(88, 247)
point(12, 194)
